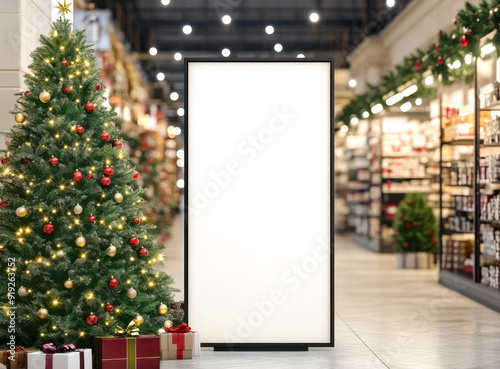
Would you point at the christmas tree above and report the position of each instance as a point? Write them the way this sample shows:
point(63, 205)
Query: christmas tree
point(72, 234)
point(415, 226)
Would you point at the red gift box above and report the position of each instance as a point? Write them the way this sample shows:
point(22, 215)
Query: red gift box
point(141, 352)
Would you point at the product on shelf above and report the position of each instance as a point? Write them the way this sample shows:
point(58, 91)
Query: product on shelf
point(455, 253)
point(491, 239)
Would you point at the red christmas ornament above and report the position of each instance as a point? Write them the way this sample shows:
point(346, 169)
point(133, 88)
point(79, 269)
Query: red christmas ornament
point(113, 283)
point(464, 41)
point(3, 204)
point(113, 124)
point(175, 310)
point(98, 86)
point(68, 90)
point(26, 161)
point(92, 219)
point(105, 181)
point(440, 34)
point(77, 176)
point(53, 161)
point(396, 234)
point(4, 160)
point(136, 175)
point(108, 307)
point(64, 63)
point(90, 176)
point(410, 201)
point(109, 171)
point(408, 225)
point(402, 217)
point(455, 22)
point(27, 93)
point(418, 65)
point(80, 130)
point(405, 244)
point(143, 252)
point(433, 240)
point(137, 221)
point(117, 143)
point(415, 223)
point(437, 47)
point(134, 241)
point(92, 319)
point(105, 136)
point(440, 60)
point(89, 107)
point(429, 232)
point(48, 228)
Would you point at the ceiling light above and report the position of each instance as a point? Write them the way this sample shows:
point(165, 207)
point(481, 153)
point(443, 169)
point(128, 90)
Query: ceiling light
point(406, 106)
point(176, 131)
point(160, 76)
point(487, 49)
point(354, 121)
point(180, 154)
point(300, 56)
point(177, 56)
point(410, 90)
point(314, 17)
point(468, 58)
point(226, 52)
point(394, 99)
point(418, 101)
point(180, 112)
point(344, 129)
point(174, 96)
point(165, 2)
point(457, 64)
point(180, 183)
point(187, 29)
point(377, 108)
point(390, 3)
point(429, 80)
point(278, 48)
point(352, 82)
point(366, 114)
point(269, 30)
point(226, 19)
point(153, 51)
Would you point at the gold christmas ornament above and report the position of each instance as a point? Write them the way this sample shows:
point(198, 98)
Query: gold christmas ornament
point(44, 97)
point(138, 320)
point(80, 241)
point(131, 293)
point(111, 251)
point(168, 324)
point(163, 309)
point(8, 141)
point(42, 313)
point(21, 212)
point(22, 291)
point(19, 117)
point(69, 284)
point(118, 197)
point(78, 209)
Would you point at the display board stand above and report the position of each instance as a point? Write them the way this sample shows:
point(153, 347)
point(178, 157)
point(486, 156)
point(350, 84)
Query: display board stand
point(259, 205)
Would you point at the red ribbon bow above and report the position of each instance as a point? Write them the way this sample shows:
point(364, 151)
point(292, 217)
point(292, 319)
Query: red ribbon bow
point(50, 348)
point(19, 348)
point(183, 328)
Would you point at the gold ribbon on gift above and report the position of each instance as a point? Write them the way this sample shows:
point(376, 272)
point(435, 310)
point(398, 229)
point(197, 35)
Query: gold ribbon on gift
point(131, 353)
point(131, 330)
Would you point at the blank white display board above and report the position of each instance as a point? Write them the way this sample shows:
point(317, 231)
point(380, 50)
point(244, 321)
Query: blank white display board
point(258, 237)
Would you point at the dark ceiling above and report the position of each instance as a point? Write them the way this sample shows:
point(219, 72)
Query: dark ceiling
point(343, 24)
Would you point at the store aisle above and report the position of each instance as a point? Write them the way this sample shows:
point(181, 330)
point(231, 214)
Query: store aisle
point(384, 318)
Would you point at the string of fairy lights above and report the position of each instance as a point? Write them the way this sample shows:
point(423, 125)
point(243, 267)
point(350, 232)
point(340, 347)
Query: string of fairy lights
point(77, 72)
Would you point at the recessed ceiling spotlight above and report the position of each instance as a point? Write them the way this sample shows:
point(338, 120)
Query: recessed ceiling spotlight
point(174, 96)
point(177, 56)
point(226, 19)
point(180, 112)
point(300, 56)
point(314, 17)
point(226, 52)
point(269, 30)
point(165, 2)
point(352, 82)
point(153, 51)
point(187, 29)
point(390, 3)
point(160, 76)
point(278, 48)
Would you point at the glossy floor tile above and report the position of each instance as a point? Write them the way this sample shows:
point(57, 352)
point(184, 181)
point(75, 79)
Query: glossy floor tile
point(384, 318)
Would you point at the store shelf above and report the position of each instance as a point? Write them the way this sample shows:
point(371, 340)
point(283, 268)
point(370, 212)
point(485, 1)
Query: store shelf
point(492, 107)
point(404, 178)
point(459, 142)
point(497, 144)
point(490, 257)
point(450, 232)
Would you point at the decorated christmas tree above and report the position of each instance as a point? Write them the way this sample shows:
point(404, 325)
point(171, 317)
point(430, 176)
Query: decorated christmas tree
point(74, 241)
point(415, 226)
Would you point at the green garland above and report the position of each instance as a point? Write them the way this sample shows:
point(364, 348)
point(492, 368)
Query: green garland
point(472, 24)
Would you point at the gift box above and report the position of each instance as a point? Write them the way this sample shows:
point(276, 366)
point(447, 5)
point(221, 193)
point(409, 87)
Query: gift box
point(79, 359)
point(197, 345)
point(139, 352)
point(176, 346)
point(20, 358)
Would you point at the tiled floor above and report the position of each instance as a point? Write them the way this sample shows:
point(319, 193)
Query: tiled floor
point(384, 318)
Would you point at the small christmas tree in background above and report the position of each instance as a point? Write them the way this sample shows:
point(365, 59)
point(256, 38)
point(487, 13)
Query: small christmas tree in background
point(69, 216)
point(415, 226)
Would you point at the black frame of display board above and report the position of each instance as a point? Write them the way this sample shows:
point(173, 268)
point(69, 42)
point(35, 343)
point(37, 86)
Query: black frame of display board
point(259, 346)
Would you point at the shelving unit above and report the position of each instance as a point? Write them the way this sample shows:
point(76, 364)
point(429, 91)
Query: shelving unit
point(341, 188)
point(469, 192)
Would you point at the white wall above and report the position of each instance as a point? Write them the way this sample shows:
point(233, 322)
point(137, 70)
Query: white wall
point(21, 23)
point(415, 27)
